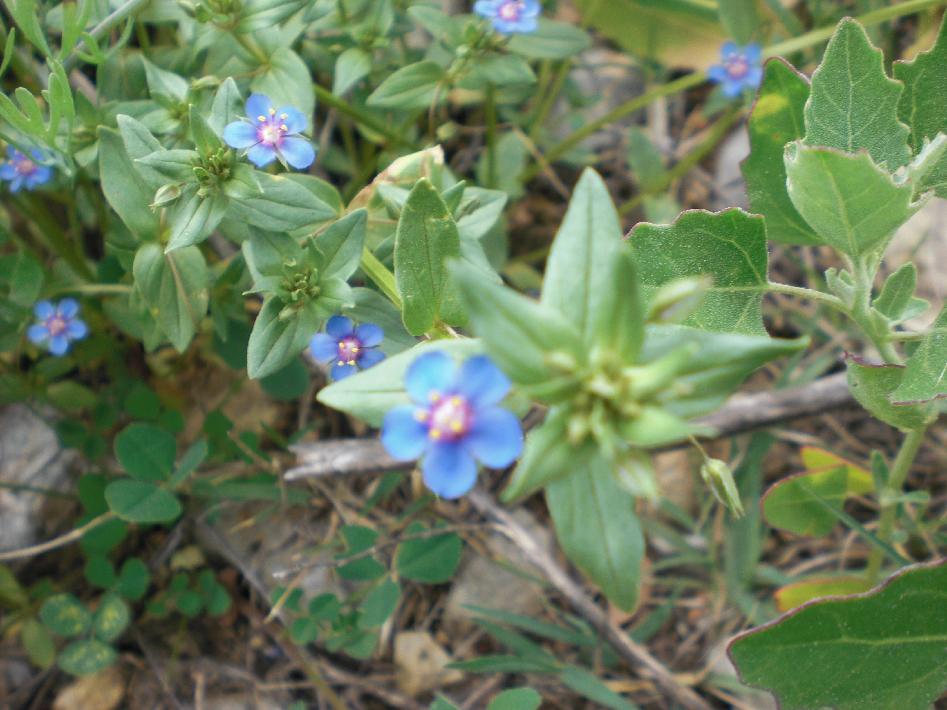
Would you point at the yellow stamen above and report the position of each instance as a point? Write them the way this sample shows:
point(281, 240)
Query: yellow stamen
point(283, 128)
point(456, 401)
point(355, 348)
point(421, 416)
point(341, 362)
point(284, 116)
point(272, 111)
point(456, 427)
point(434, 397)
point(435, 434)
point(261, 119)
point(351, 362)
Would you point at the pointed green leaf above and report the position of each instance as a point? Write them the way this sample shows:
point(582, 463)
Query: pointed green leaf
point(777, 119)
point(598, 529)
point(192, 218)
point(851, 203)
point(342, 244)
point(621, 317)
point(227, 106)
point(431, 560)
point(874, 387)
point(413, 87)
point(875, 651)
point(897, 292)
point(582, 254)
point(124, 188)
point(740, 19)
point(288, 82)
point(730, 247)
point(925, 376)
point(352, 65)
point(279, 336)
point(277, 203)
point(141, 502)
point(854, 105)
point(516, 699)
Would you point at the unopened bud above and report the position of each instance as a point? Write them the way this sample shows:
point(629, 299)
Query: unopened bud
point(677, 299)
point(635, 473)
point(164, 195)
point(719, 477)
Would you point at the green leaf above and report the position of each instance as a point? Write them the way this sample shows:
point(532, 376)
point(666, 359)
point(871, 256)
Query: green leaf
point(582, 253)
point(82, 658)
point(99, 572)
point(227, 106)
point(164, 83)
point(287, 384)
point(192, 218)
point(123, 187)
point(277, 338)
point(370, 394)
point(353, 65)
point(174, 286)
point(740, 19)
point(588, 685)
point(342, 244)
point(111, 618)
point(12, 593)
point(426, 238)
point(141, 502)
point(371, 307)
point(851, 203)
point(798, 593)
point(133, 579)
point(598, 529)
point(413, 87)
point(65, 615)
point(793, 503)
point(922, 103)
point(193, 457)
point(206, 140)
point(27, 19)
point(23, 277)
point(925, 377)
point(777, 119)
point(854, 105)
point(277, 203)
point(551, 40)
point(516, 699)
point(145, 451)
point(380, 603)
point(876, 651)
point(730, 247)
point(519, 333)
point(287, 82)
point(621, 317)
point(499, 70)
point(897, 293)
point(38, 643)
point(143, 148)
point(431, 560)
point(874, 386)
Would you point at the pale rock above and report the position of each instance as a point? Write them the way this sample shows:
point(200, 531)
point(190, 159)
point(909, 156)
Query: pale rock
point(421, 663)
point(102, 691)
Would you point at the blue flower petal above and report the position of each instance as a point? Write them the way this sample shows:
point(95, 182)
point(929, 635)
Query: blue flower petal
point(753, 77)
point(298, 152)
point(732, 88)
point(369, 334)
point(728, 49)
point(324, 348)
point(12, 152)
point(258, 105)
point(7, 171)
point(16, 183)
point(58, 344)
point(77, 329)
point(486, 8)
point(449, 470)
point(752, 52)
point(37, 333)
point(369, 357)
point(481, 382)
point(240, 135)
point(718, 73)
point(261, 155)
point(402, 435)
point(496, 437)
point(531, 10)
point(430, 372)
point(40, 176)
point(44, 310)
point(68, 308)
point(295, 121)
point(340, 372)
point(528, 25)
point(340, 327)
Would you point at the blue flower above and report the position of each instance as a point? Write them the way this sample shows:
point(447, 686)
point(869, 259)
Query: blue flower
point(453, 421)
point(741, 68)
point(351, 348)
point(21, 170)
point(510, 16)
point(57, 325)
point(269, 133)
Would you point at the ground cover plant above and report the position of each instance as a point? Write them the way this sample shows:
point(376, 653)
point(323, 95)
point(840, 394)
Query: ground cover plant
point(385, 357)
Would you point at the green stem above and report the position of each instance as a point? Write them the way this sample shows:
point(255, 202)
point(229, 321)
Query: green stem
point(490, 116)
point(811, 294)
point(889, 508)
point(120, 14)
point(370, 122)
point(96, 289)
point(549, 97)
point(864, 274)
point(689, 81)
point(382, 278)
point(52, 234)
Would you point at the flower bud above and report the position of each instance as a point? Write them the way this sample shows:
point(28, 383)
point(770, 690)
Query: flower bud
point(676, 300)
point(635, 473)
point(719, 477)
point(165, 194)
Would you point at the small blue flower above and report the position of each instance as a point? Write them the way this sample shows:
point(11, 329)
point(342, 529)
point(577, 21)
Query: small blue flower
point(57, 325)
point(350, 348)
point(453, 421)
point(21, 170)
point(741, 68)
point(510, 16)
point(269, 133)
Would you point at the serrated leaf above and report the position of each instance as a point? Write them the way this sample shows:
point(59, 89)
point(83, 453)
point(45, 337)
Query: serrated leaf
point(776, 119)
point(730, 247)
point(174, 287)
point(925, 377)
point(598, 529)
point(876, 651)
point(854, 105)
point(851, 203)
point(582, 253)
point(874, 385)
point(141, 502)
point(276, 340)
point(426, 238)
point(145, 451)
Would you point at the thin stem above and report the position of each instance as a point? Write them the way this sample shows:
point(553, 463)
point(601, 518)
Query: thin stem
point(549, 97)
point(121, 13)
point(864, 273)
point(52, 233)
point(382, 278)
point(490, 115)
point(371, 123)
point(811, 294)
point(96, 289)
point(889, 508)
point(57, 542)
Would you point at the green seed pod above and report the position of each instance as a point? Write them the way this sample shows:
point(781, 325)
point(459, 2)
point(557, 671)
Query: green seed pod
point(676, 300)
point(719, 477)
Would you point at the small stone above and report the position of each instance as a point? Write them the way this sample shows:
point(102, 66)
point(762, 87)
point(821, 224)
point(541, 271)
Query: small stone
point(421, 663)
point(102, 691)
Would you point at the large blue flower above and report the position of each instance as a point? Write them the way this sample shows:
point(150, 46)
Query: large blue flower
point(25, 171)
point(453, 421)
point(510, 16)
point(348, 347)
point(740, 69)
point(269, 133)
point(57, 325)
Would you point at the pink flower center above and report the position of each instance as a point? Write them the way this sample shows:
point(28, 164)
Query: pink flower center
point(272, 129)
point(24, 166)
point(56, 325)
point(448, 419)
point(349, 348)
point(737, 66)
point(510, 11)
